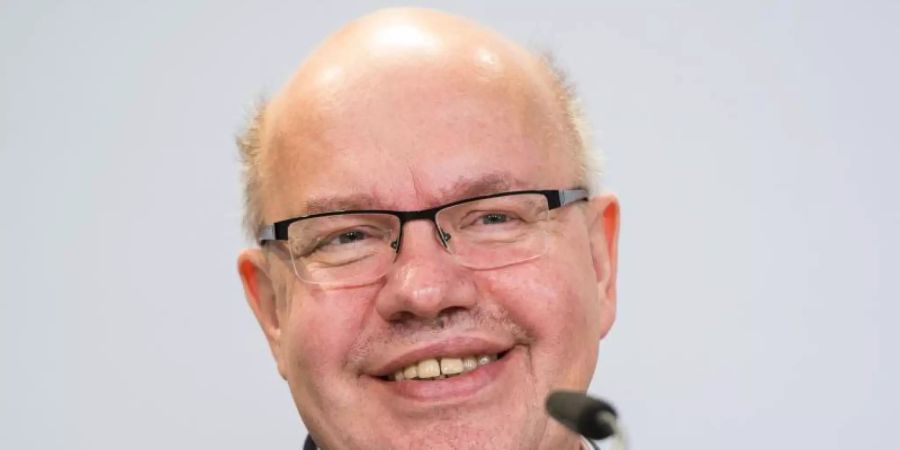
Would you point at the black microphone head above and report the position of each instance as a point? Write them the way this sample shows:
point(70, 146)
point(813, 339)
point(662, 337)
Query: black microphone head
point(585, 415)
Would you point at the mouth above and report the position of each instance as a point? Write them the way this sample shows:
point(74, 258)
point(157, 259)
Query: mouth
point(440, 368)
point(463, 369)
point(450, 378)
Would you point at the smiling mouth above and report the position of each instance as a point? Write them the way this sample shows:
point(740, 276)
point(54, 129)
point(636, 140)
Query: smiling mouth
point(442, 368)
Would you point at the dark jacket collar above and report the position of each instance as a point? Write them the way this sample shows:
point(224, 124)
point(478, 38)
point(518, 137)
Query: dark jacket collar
point(311, 445)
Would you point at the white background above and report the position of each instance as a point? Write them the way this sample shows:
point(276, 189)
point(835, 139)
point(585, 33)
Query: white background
point(754, 146)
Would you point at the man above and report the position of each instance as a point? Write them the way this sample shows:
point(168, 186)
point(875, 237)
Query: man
point(411, 295)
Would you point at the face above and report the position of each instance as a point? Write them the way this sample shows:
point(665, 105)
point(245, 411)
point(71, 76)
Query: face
point(425, 138)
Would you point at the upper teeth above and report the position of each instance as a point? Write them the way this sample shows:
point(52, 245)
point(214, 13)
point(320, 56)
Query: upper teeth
point(442, 367)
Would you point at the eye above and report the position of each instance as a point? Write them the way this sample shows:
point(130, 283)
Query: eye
point(350, 236)
point(490, 219)
point(337, 238)
point(352, 239)
point(494, 218)
point(344, 238)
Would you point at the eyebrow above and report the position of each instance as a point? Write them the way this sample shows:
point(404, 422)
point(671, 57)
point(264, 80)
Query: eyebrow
point(490, 183)
point(318, 205)
point(462, 188)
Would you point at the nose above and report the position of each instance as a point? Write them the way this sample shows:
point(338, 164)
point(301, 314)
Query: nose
point(424, 281)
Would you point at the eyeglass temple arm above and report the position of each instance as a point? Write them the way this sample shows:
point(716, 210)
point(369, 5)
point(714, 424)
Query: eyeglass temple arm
point(265, 233)
point(567, 196)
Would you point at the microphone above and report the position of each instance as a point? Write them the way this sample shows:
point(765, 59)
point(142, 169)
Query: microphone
point(590, 417)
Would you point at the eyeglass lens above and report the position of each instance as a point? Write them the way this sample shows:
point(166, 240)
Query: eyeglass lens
point(359, 248)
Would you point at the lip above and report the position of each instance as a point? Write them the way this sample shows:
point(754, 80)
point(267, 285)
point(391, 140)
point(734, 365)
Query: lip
point(460, 388)
point(457, 347)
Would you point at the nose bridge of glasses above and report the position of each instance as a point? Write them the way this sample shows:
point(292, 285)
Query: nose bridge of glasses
point(426, 214)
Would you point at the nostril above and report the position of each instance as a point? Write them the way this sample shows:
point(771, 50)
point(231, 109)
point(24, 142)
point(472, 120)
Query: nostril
point(401, 318)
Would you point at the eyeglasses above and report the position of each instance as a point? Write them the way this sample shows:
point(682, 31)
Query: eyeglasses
point(352, 248)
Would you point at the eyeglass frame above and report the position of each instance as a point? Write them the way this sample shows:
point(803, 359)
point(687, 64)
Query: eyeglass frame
point(556, 198)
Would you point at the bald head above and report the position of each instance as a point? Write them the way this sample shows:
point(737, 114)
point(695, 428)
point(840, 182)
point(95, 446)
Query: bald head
point(377, 48)
point(392, 58)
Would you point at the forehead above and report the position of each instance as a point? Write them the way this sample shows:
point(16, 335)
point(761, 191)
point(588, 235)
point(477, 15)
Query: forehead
point(410, 137)
point(465, 187)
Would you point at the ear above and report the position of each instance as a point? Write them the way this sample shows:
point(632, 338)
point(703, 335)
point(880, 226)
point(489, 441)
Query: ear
point(260, 292)
point(603, 229)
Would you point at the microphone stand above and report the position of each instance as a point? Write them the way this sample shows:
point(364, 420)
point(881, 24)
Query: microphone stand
point(589, 417)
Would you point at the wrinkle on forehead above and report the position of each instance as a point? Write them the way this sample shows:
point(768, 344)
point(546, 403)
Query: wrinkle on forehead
point(464, 187)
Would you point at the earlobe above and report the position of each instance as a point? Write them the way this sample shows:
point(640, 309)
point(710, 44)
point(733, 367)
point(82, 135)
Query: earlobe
point(603, 227)
point(260, 294)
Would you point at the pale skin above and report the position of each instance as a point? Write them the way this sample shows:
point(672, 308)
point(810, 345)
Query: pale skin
point(408, 109)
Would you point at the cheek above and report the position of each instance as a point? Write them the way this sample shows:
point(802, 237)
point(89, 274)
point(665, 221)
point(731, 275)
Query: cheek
point(322, 328)
point(555, 300)
point(549, 301)
point(553, 297)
